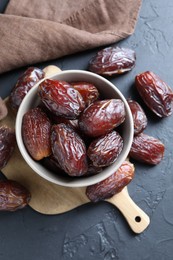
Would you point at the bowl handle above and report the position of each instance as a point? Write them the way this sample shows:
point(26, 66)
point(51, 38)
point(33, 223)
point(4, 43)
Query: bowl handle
point(137, 219)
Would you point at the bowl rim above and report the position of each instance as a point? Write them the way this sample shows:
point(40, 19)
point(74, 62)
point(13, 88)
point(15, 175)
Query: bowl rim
point(82, 181)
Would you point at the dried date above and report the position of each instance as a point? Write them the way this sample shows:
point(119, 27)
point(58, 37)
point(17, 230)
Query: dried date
point(147, 149)
point(113, 60)
point(101, 117)
point(69, 150)
point(7, 144)
point(72, 123)
point(61, 98)
point(87, 90)
point(52, 164)
point(104, 150)
point(13, 195)
point(58, 119)
point(93, 170)
point(157, 95)
point(36, 129)
point(26, 81)
point(111, 185)
point(139, 116)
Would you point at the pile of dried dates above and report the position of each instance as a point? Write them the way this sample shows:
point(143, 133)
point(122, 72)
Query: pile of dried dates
point(13, 195)
point(156, 94)
point(73, 128)
point(74, 132)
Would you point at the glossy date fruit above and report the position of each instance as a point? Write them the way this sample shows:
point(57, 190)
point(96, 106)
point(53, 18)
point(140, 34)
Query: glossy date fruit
point(101, 117)
point(69, 150)
point(113, 60)
point(61, 98)
point(72, 123)
point(13, 195)
point(157, 95)
point(26, 81)
point(36, 129)
point(147, 149)
point(87, 90)
point(139, 116)
point(52, 164)
point(111, 185)
point(7, 144)
point(93, 170)
point(58, 119)
point(104, 150)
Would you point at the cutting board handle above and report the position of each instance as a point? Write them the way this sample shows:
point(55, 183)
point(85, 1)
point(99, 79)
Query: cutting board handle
point(137, 219)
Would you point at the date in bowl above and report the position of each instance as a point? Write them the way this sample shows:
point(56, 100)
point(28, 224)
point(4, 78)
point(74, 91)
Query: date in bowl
point(107, 90)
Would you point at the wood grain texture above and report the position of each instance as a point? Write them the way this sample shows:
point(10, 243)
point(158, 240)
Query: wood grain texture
point(138, 220)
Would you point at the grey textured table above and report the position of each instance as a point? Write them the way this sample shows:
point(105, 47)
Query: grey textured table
point(99, 231)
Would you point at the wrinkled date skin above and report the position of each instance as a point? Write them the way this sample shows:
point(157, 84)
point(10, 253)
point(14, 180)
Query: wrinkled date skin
point(147, 149)
point(93, 170)
point(36, 129)
point(104, 150)
point(101, 117)
point(69, 150)
point(58, 119)
point(111, 185)
point(113, 60)
point(52, 164)
point(139, 116)
point(7, 144)
point(87, 90)
point(61, 98)
point(13, 195)
point(157, 95)
point(72, 123)
point(30, 77)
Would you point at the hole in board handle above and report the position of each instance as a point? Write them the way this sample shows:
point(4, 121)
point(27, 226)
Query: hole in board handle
point(138, 219)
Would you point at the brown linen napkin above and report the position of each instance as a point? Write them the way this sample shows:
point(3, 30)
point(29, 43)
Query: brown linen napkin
point(34, 31)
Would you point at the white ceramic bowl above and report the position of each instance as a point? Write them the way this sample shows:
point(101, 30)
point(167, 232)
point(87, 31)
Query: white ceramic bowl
point(107, 90)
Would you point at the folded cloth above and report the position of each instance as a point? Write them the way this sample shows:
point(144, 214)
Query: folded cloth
point(34, 31)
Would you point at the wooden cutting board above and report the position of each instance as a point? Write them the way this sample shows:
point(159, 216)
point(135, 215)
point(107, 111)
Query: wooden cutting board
point(49, 198)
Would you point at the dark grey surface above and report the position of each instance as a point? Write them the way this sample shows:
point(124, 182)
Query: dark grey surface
point(99, 231)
